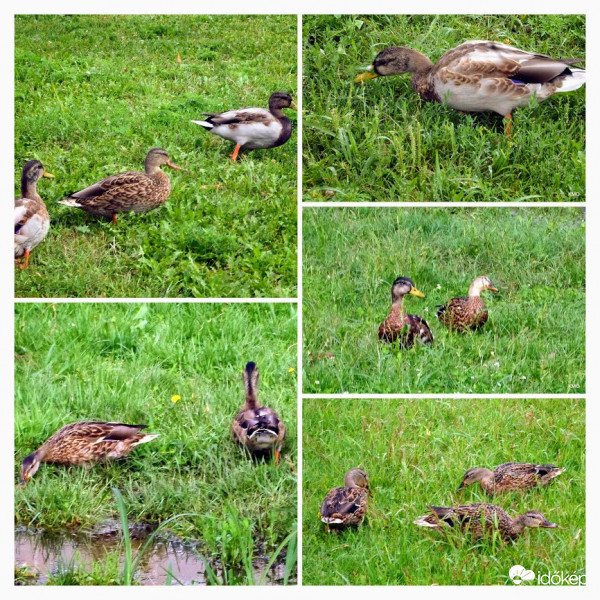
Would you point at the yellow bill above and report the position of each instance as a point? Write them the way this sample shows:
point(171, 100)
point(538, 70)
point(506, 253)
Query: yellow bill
point(415, 292)
point(365, 76)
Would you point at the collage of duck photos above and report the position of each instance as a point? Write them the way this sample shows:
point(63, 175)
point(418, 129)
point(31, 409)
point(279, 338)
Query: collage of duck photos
point(302, 307)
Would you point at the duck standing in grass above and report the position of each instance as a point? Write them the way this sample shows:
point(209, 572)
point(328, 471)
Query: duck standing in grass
point(482, 519)
point(399, 325)
point(84, 443)
point(126, 192)
point(347, 506)
point(257, 428)
point(253, 128)
point(464, 314)
point(480, 76)
point(32, 220)
point(511, 476)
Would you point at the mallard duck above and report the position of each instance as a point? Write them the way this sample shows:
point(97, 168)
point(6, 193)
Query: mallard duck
point(464, 314)
point(480, 76)
point(481, 519)
point(84, 443)
point(126, 192)
point(511, 476)
point(257, 428)
point(401, 326)
point(347, 506)
point(32, 220)
point(253, 128)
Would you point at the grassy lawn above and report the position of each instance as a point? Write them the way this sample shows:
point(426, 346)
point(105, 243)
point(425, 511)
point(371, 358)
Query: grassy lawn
point(533, 342)
point(125, 362)
point(94, 93)
point(380, 142)
point(416, 452)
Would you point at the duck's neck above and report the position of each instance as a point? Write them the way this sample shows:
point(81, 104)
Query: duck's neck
point(277, 113)
point(475, 290)
point(517, 526)
point(420, 66)
point(488, 483)
point(397, 305)
point(28, 188)
point(151, 168)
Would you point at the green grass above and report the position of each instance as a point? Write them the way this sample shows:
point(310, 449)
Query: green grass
point(126, 362)
point(94, 93)
point(380, 142)
point(533, 342)
point(415, 453)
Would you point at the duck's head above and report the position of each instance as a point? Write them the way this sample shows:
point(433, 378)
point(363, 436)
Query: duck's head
point(472, 476)
point(33, 171)
point(480, 284)
point(395, 60)
point(534, 518)
point(156, 158)
point(279, 100)
point(29, 466)
point(403, 286)
point(357, 478)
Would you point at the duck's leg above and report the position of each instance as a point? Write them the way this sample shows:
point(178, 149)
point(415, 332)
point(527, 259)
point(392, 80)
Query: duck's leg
point(276, 458)
point(26, 264)
point(235, 152)
point(508, 124)
point(114, 218)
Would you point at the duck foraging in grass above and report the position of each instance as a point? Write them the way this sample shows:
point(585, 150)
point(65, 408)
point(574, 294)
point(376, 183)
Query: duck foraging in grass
point(399, 325)
point(346, 506)
point(480, 76)
point(127, 192)
point(257, 428)
point(84, 443)
point(32, 220)
point(470, 313)
point(511, 476)
point(253, 128)
point(482, 519)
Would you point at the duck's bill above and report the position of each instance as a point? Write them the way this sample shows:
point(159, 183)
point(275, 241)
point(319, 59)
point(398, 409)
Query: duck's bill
point(173, 166)
point(262, 432)
point(48, 175)
point(549, 525)
point(293, 106)
point(415, 292)
point(460, 487)
point(492, 289)
point(365, 76)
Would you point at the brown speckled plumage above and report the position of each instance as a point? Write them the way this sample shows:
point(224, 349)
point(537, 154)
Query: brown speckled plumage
point(482, 519)
point(257, 428)
point(346, 506)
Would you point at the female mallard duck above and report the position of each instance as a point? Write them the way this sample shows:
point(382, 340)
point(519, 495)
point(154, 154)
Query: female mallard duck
point(253, 128)
point(126, 192)
point(32, 220)
point(511, 476)
point(463, 314)
point(401, 326)
point(347, 506)
point(482, 519)
point(84, 443)
point(480, 76)
point(257, 428)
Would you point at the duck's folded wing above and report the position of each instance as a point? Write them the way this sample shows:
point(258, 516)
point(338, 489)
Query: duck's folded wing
point(121, 183)
point(243, 115)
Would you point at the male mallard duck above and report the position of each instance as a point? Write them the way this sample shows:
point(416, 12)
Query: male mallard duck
point(126, 192)
point(480, 519)
point(462, 314)
point(511, 476)
point(480, 76)
point(257, 428)
point(253, 128)
point(32, 220)
point(399, 325)
point(347, 506)
point(85, 442)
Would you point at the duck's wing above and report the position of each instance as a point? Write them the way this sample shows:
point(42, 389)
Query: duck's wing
point(241, 116)
point(341, 502)
point(129, 183)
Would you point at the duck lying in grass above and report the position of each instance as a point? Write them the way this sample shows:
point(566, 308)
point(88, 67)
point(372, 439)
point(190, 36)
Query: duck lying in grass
point(511, 476)
point(32, 220)
point(480, 76)
point(482, 519)
point(126, 192)
point(84, 443)
point(257, 428)
point(346, 506)
point(470, 313)
point(399, 325)
point(253, 128)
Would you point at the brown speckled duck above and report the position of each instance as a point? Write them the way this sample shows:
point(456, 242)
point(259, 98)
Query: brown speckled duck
point(346, 506)
point(480, 76)
point(257, 428)
point(464, 314)
point(126, 192)
point(253, 128)
point(32, 220)
point(482, 519)
point(511, 476)
point(399, 325)
point(84, 443)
